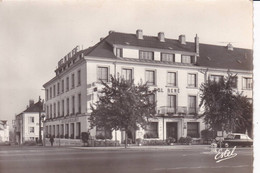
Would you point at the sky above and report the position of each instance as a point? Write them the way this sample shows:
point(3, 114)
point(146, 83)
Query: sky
point(35, 35)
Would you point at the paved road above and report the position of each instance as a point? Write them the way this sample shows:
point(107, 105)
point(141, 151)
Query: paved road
point(71, 160)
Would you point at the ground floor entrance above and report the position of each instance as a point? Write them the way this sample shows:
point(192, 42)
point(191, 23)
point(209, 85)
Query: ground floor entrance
point(171, 130)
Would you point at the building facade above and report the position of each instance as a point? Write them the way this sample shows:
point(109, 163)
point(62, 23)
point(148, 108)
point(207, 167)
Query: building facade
point(175, 67)
point(27, 123)
point(4, 131)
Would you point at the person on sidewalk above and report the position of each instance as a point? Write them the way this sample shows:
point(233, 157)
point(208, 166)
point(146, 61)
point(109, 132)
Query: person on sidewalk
point(51, 140)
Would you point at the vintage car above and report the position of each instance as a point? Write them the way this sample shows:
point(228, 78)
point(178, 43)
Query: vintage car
point(236, 139)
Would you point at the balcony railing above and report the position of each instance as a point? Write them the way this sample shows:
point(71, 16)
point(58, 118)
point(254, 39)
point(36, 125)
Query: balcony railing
point(180, 110)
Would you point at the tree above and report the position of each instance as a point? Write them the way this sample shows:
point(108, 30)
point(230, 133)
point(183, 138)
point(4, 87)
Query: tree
point(224, 108)
point(122, 105)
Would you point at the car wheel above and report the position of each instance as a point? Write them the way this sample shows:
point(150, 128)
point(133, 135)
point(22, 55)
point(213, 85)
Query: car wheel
point(226, 145)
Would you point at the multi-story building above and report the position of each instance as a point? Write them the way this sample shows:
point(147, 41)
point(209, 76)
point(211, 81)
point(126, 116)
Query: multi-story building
point(27, 123)
point(175, 67)
point(4, 131)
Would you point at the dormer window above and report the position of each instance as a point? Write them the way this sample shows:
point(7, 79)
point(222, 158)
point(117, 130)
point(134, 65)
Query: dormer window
point(186, 59)
point(167, 57)
point(146, 55)
point(119, 52)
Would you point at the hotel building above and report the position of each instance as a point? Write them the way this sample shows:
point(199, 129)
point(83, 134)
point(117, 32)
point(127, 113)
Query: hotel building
point(175, 67)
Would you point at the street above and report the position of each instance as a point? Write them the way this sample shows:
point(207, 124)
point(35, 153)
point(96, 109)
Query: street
point(81, 160)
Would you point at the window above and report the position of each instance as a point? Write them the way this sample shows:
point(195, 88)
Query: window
point(73, 104)
point(146, 55)
point(127, 74)
point(79, 103)
point(151, 130)
point(79, 78)
point(234, 82)
point(68, 106)
point(119, 52)
point(58, 88)
point(185, 59)
point(62, 130)
point(47, 94)
point(72, 81)
point(150, 77)
point(151, 98)
point(31, 119)
point(62, 86)
point(53, 130)
point(247, 83)
point(216, 78)
point(50, 92)
point(51, 111)
point(67, 84)
point(78, 130)
point(58, 131)
point(72, 131)
point(193, 129)
point(47, 112)
point(54, 90)
point(67, 131)
point(171, 102)
point(58, 109)
point(171, 78)
point(192, 80)
point(62, 107)
point(192, 104)
point(167, 57)
point(54, 110)
point(103, 74)
point(102, 133)
point(31, 129)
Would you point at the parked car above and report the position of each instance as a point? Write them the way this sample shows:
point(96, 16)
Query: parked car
point(236, 139)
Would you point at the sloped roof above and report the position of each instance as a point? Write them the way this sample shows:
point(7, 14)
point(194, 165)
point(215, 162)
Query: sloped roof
point(36, 107)
point(211, 56)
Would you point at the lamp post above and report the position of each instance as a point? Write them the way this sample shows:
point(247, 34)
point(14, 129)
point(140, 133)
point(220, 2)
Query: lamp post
point(40, 119)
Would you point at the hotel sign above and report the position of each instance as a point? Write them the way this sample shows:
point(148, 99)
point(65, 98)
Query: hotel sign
point(69, 55)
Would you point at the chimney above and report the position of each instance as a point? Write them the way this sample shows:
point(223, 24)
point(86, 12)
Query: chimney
point(139, 34)
point(31, 102)
point(197, 44)
point(161, 37)
point(230, 47)
point(101, 38)
point(111, 31)
point(182, 39)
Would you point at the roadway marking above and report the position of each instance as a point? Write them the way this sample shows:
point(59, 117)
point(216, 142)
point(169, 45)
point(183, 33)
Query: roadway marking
point(203, 167)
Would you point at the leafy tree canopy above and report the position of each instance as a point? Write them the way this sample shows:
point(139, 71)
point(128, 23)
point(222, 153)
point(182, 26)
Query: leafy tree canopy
point(122, 105)
point(225, 108)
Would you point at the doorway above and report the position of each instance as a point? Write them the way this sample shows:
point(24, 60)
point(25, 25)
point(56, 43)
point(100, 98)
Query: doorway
point(171, 130)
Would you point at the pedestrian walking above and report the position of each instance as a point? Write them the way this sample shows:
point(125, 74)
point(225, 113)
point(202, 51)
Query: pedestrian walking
point(51, 140)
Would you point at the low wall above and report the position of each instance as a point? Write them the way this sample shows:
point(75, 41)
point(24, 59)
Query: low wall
point(64, 142)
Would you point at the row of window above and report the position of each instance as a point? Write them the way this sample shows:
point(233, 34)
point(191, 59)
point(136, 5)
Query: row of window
point(72, 130)
point(58, 109)
point(165, 57)
point(150, 76)
point(247, 83)
point(59, 88)
point(152, 130)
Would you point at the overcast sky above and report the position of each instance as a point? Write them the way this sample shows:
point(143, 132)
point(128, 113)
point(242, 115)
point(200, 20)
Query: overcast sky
point(34, 36)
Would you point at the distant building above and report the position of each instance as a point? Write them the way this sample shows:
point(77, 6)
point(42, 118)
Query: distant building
point(4, 131)
point(175, 67)
point(27, 123)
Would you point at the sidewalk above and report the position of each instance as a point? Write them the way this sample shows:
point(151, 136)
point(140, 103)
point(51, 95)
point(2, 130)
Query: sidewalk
point(147, 148)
